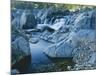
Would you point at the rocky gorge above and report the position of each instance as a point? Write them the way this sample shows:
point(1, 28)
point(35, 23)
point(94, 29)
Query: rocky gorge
point(57, 35)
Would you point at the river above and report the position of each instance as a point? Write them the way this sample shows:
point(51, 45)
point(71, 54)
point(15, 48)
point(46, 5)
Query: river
point(42, 63)
point(38, 57)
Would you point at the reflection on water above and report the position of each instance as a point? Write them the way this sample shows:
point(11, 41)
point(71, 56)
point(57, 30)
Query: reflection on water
point(38, 57)
point(40, 62)
point(43, 63)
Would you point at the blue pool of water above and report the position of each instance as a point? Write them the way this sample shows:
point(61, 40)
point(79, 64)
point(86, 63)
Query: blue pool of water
point(38, 57)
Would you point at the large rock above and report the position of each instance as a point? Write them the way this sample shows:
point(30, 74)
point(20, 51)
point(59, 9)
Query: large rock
point(84, 53)
point(20, 49)
point(21, 56)
point(65, 48)
point(21, 44)
point(82, 35)
point(16, 22)
point(86, 20)
point(61, 51)
point(85, 56)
